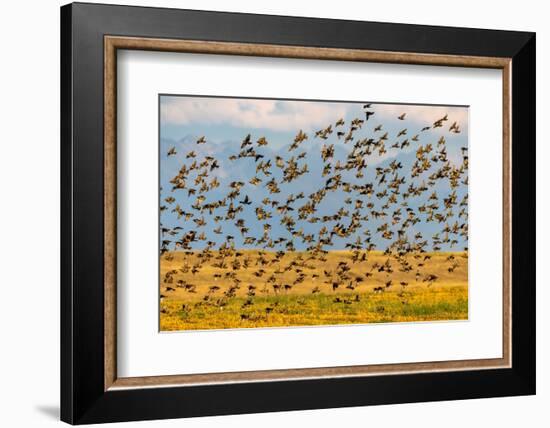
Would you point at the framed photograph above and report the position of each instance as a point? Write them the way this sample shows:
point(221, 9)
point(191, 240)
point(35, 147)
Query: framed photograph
point(266, 213)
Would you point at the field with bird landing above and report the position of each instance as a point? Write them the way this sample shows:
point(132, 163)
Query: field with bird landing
point(298, 213)
point(323, 295)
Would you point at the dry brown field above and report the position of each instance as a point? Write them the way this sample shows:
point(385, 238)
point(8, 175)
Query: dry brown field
point(211, 298)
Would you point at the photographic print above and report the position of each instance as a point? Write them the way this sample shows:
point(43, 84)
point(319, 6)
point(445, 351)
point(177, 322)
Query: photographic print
point(286, 213)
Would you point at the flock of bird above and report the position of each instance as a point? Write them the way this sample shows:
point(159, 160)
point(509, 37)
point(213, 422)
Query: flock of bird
point(380, 207)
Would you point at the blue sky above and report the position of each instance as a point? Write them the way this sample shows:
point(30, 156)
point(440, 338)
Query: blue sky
point(225, 122)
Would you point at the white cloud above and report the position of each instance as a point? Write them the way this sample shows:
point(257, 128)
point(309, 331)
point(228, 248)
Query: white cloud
point(422, 114)
point(270, 114)
point(281, 115)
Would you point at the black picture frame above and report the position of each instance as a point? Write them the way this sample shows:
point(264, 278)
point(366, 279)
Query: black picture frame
point(83, 398)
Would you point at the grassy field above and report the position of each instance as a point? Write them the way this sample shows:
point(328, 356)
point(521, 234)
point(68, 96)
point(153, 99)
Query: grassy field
point(210, 298)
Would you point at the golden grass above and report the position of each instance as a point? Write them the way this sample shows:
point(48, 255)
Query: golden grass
point(444, 299)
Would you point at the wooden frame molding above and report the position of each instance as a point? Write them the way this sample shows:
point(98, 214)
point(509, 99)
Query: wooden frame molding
point(113, 43)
